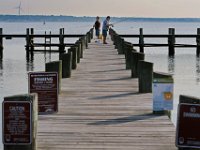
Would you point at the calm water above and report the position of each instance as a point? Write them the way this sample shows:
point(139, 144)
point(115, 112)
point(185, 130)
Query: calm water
point(185, 67)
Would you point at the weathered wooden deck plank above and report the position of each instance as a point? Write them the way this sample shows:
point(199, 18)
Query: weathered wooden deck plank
point(100, 108)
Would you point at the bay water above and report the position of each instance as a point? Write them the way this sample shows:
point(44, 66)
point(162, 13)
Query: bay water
point(184, 66)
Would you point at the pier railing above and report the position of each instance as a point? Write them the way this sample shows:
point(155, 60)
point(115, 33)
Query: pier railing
point(171, 38)
point(32, 46)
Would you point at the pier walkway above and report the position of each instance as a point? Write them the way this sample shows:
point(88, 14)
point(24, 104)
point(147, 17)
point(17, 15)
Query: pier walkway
point(100, 109)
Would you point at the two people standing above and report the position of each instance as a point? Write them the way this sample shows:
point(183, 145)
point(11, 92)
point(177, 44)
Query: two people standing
point(105, 28)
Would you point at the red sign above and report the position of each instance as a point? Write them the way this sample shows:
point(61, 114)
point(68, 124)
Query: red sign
point(17, 122)
point(188, 126)
point(45, 84)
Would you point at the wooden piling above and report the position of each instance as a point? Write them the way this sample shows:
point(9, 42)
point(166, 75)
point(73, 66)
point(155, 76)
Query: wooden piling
point(66, 64)
point(92, 32)
point(61, 41)
point(88, 37)
point(32, 40)
point(116, 41)
point(171, 41)
point(141, 41)
point(83, 43)
point(198, 42)
point(27, 39)
point(145, 76)
point(188, 99)
point(128, 48)
point(121, 45)
point(33, 100)
point(74, 56)
point(86, 41)
point(55, 66)
point(135, 58)
point(81, 47)
point(1, 44)
point(77, 44)
point(45, 41)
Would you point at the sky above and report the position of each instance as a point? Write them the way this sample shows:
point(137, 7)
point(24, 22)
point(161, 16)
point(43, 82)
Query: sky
point(117, 8)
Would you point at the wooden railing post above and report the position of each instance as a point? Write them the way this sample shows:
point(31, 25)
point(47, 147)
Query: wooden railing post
point(117, 41)
point(77, 44)
point(171, 41)
point(135, 58)
point(74, 56)
point(45, 41)
point(121, 46)
point(128, 48)
point(27, 39)
point(92, 32)
point(141, 41)
point(81, 47)
point(89, 36)
point(61, 41)
point(55, 66)
point(1, 44)
point(66, 64)
point(198, 42)
point(32, 40)
point(86, 43)
point(145, 76)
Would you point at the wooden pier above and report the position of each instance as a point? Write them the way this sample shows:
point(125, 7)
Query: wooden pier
point(100, 108)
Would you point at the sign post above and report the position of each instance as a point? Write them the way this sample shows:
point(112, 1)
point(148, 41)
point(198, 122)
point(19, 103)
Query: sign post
point(45, 84)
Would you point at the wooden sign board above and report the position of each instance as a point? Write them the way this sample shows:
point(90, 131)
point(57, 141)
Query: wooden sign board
point(17, 122)
point(188, 124)
point(45, 84)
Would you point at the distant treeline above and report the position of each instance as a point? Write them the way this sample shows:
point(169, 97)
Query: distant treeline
point(52, 18)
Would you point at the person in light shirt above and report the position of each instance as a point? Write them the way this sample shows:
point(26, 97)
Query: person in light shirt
point(105, 28)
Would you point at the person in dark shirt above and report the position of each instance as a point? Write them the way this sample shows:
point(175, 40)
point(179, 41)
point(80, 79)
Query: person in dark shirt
point(97, 26)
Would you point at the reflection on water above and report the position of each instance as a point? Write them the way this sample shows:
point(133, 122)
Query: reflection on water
point(171, 64)
point(29, 61)
point(30, 58)
point(29, 65)
point(1, 64)
point(197, 70)
point(47, 57)
point(1, 75)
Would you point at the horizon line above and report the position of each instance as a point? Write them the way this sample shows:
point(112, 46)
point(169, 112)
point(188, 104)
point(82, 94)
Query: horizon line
point(100, 16)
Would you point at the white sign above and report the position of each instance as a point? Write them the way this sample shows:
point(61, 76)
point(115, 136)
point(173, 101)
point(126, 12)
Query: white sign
point(162, 96)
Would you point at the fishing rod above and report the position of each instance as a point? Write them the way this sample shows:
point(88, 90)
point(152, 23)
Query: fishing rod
point(120, 21)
